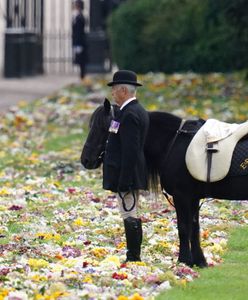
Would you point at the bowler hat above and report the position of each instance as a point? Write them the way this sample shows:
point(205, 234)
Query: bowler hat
point(124, 77)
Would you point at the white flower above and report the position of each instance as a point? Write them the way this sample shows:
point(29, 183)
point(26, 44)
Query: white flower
point(17, 295)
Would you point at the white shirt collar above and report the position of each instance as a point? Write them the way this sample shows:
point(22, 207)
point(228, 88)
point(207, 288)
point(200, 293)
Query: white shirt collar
point(127, 101)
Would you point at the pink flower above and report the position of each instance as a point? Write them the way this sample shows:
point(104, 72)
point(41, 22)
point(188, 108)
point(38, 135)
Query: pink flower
point(4, 271)
point(71, 190)
point(15, 207)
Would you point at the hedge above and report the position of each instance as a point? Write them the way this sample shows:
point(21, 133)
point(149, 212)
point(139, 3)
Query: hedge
point(178, 35)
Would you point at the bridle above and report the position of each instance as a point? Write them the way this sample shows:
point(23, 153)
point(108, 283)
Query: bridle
point(102, 145)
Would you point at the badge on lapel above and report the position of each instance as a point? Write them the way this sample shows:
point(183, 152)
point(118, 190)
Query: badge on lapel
point(114, 126)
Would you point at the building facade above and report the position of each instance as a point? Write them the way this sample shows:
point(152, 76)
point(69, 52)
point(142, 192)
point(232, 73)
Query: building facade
point(49, 22)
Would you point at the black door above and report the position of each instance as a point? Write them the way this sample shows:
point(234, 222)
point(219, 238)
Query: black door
point(23, 38)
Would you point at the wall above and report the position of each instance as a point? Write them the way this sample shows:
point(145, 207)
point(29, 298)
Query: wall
point(2, 28)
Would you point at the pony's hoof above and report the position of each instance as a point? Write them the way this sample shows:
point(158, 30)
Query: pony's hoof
point(186, 262)
point(201, 264)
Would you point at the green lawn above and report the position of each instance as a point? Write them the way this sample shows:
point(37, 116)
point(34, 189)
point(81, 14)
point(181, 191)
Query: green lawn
point(227, 281)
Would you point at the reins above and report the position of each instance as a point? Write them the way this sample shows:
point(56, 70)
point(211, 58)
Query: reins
point(123, 200)
point(179, 130)
point(168, 199)
point(87, 145)
point(175, 138)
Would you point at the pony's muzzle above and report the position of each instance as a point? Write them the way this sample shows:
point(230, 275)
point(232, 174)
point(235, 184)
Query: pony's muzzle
point(89, 164)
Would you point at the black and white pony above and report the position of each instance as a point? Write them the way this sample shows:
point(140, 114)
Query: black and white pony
point(165, 155)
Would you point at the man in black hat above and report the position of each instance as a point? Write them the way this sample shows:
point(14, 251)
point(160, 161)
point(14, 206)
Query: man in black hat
point(124, 166)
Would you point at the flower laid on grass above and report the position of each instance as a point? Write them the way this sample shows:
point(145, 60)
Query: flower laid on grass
point(61, 235)
point(37, 263)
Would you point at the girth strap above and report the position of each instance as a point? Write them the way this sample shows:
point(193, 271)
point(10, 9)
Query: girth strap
point(210, 150)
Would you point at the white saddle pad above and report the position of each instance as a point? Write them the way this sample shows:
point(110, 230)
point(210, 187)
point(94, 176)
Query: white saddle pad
point(226, 137)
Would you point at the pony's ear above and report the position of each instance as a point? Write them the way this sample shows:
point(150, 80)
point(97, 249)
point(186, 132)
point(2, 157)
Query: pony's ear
point(107, 105)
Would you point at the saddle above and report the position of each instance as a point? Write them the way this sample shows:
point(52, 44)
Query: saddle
point(209, 154)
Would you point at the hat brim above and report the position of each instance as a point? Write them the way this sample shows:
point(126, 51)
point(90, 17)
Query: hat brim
point(124, 82)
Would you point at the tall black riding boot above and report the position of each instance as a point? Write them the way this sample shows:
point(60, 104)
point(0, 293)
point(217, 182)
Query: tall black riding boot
point(133, 230)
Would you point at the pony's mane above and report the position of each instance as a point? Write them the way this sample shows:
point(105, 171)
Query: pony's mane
point(166, 121)
point(169, 121)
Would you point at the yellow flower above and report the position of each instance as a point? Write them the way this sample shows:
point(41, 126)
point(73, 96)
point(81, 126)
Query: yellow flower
point(69, 262)
point(77, 178)
point(136, 296)
point(87, 279)
point(4, 192)
point(182, 283)
point(27, 188)
point(163, 244)
point(152, 107)
point(121, 297)
point(191, 111)
point(161, 227)
point(38, 278)
point(3, 208)
point(137, 263)
point(47, 195)
point(69, 243)
point(53, 296)
point(3, 293)
point(38, 297)
point(33, 158)
point(163, 222)
point(216, 248)
point(112, 259)
point(37, 263)
point(63, 100)
point(48, 236)
point(80, 222)
point(57, 184)
point(121, 245)
point(30, 123)
point(99, 252)
point(57, 295)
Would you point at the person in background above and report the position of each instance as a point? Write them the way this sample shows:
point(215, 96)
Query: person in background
point(124, 165)
point(79, 43)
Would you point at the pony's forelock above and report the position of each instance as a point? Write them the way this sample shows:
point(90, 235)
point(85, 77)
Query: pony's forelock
point(98, 117)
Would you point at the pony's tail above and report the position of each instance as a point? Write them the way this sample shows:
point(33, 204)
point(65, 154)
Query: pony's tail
point(153, 178)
